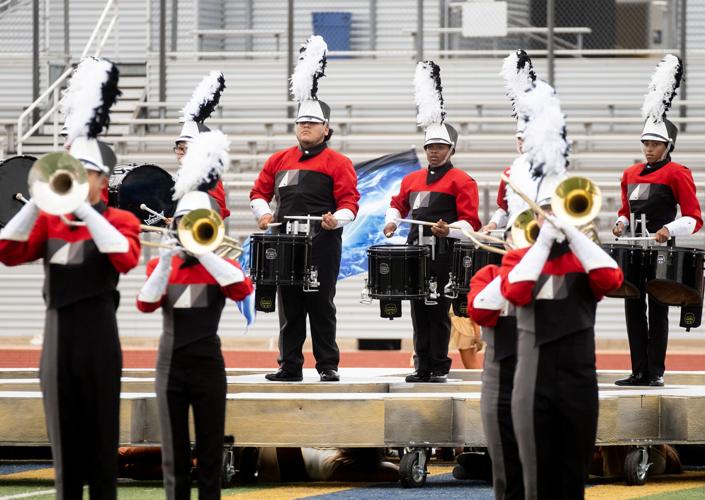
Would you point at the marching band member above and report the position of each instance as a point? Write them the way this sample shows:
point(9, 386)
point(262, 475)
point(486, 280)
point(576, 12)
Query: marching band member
point(200, 107)
point(309, 179)
point(192, 290)
point(554, 285)
point(81, 358)
point(441, 194)
point(655, 189)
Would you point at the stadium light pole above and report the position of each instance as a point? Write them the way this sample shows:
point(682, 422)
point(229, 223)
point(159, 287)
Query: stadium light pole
point(289, 57)
point(550, 23)
point(419, 30)
point(684, 82)
point(162, 58)
point(67, 43)
point(35, 57)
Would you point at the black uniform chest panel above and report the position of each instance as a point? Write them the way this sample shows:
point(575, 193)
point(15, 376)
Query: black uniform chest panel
point(74, 271)
point(303, 192)
point(563, 304)
point(192, 311)
point(505, 339)
point(656, 201)
point(430, 206)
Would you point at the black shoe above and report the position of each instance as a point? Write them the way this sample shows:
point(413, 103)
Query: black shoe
point(459, 472)
point(656, 382)
point(438, 378)
point(283, 376)
point(329, 376)
point(632, 379)
point(418, 376)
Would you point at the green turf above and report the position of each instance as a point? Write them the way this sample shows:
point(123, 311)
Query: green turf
point(691, 494)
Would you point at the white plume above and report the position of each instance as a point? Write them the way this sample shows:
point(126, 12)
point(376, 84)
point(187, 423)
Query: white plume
point(310, 67)
point(428, 94)
point(662, 88)
point(518, 75)
point(203, 164)
point(204, 98)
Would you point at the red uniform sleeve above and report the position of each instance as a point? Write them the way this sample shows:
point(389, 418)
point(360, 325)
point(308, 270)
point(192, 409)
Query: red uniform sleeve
point(483, 317)
point(519, 293)
point(467, 201)
point(502, 192)
point(13, 253)
point(240, 290)
point(104, 196)
point(264, 184)
point(221, 198)
point(604, 280)
point(624, 211)
point(345, 186)
point(684, 191)
point(129, 226)
point(400, 201)
point(148, 307)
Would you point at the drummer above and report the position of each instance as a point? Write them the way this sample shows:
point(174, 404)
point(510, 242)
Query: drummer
point(203, 101)
point(441, 194)
point(655, 189)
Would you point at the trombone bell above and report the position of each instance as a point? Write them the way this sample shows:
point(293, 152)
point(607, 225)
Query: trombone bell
point(58, 183)
point(576, 200)
point(525, 229)
point(201, 231)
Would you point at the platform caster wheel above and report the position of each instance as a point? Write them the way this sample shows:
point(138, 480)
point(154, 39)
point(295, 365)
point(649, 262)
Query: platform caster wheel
point(636, 466)
point(227, 475)
point(412, 469)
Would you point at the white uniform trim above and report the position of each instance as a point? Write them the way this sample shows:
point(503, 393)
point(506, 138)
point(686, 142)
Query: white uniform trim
point(344, 216)
point(20, 226)
point(223, 271)
point(392, 216)
point(500, 218)
point(458, 233)
point(682, 226)
point(491, 297)
point(106, 237)
point(259, 208)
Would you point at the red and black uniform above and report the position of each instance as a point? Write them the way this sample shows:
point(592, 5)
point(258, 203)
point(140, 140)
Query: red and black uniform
point(555, 400)
point(81, 359)
point(501, 214)
point(655, 191)
point(428, 195)
point(311, 182)
point(191, 373)
point(499, 331)
point(221, 198)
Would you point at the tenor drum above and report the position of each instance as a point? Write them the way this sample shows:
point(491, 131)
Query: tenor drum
point(398, 272)
point(132, 185)
point(13, 179)
point(678, 278)
point(637, 264)
point(280, 259)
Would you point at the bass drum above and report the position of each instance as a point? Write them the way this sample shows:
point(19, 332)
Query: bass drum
point(13, 179)
point(132, 185)
point(678, 278)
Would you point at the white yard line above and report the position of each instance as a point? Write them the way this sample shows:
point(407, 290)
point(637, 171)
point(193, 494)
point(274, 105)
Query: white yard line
point(28, 495)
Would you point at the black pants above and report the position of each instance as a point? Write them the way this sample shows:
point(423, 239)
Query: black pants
point(191, 376)
point(554, 412)
point(294, 305)
point(80, 373)
point(432, 324)
point(648, 339)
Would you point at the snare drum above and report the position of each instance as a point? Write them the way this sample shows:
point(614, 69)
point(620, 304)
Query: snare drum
point(637, 264)
point(678, 278)
point(398, 272)
point(132, 185)
point(467, 260)
point(280, 259)
point(13, 179)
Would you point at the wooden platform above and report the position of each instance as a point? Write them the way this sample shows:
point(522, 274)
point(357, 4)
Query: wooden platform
point(370, 407)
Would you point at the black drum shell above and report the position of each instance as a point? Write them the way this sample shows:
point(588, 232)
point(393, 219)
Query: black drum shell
point(398, 272)
point(467, 260)
point(280, 259)
point(637, 265)
point(13, 179)
point(132, 185)
point(678, 277)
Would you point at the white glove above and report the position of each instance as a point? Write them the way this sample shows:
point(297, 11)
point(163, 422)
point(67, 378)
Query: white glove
point(490, 297)
point(106, 237)
point(222, 270)
point(155, 286)
point(20, 226)
point(168, 249)
point(551, 231)
point(590, 255)
point(530, 266)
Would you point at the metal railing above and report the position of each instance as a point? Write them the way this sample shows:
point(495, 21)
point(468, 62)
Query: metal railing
point(54, 90)
point(249, 33)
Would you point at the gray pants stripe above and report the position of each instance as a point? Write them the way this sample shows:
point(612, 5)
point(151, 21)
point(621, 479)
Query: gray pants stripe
point(49, 382)
point(523, 409)
point(166, 343)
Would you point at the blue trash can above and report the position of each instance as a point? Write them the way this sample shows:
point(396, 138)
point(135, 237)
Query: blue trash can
point(334, 27)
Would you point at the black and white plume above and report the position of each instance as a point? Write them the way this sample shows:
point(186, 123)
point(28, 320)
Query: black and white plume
point(310, 67)
point(428, 94)
point(203, 164)
point(518, 75)
point(662, 88)
point(205, 98)
point(91, 92)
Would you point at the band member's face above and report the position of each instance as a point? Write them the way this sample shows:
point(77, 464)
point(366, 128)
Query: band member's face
point(96, 183)
point(180, 150)
point(520, 145)
point(540, 218)
point(437, 154)
point(311, 134)
point(654, 150)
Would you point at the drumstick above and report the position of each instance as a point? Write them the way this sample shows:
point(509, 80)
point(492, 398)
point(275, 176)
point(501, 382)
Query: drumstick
point(156, 214)
point(636, 238)
point(313, 217)
point(274, 224)
point(464, 229)
point(20, 197)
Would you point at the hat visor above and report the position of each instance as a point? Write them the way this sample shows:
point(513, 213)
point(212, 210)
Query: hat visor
point(311, 119)
point(89, 165)
point(654, 137)
point(437, 140)
point(183, 138)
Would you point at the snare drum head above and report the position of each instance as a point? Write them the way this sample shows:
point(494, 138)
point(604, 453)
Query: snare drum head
point(132, 186)
point(13, 179)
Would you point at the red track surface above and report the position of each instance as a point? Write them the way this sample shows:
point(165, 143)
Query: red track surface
point(146, 358)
